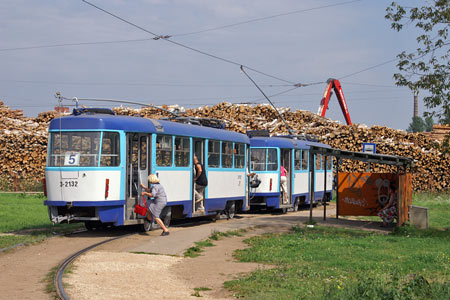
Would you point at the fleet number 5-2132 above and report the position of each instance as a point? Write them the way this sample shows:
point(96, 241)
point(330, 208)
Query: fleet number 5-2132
point(71, 183)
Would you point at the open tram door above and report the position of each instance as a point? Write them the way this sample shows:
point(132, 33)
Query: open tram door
point(286, 162)
point(199, 151)
point(138, 162)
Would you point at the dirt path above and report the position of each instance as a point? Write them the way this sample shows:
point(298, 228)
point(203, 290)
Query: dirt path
point(23, 269)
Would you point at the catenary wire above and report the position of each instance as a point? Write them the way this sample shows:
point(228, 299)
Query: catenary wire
point(165, 38)
point(180, 34)
point(264, 18)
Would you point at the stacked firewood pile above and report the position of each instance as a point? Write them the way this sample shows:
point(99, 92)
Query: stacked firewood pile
point(23, 147)
point(23, 140)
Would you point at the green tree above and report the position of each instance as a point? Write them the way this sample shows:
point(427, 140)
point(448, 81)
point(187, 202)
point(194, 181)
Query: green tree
point(417, 125)
point(427, 68)
point(429, 122)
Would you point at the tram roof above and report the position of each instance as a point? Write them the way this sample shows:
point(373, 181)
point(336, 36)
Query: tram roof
point(143, 125)
point(282, 142)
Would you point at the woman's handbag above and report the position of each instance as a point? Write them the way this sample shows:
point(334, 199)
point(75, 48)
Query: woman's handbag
point(141, 209)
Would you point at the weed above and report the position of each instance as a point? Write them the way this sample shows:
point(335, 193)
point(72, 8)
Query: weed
point(198, 290)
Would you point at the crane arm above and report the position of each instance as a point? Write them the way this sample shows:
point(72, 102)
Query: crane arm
point(336, 86)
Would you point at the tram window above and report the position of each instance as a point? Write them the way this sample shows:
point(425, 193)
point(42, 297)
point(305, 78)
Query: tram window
point(329, 163)
point(214, 154)
point(182, 148)
point(298, 160)
point(143, 156)
point(227, 155)
point(74, 149)
point(239, 156)
point(110, 156)
point(164, 151)
point(318, 162)
point(272, 161)
point(305, 155)
point(258, 159)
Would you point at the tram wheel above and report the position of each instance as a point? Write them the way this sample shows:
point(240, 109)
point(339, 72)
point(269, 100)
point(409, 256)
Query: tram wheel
point(92, 225)
point(296, 204)
point(166, 216)
point(230, 210)
point(284, 210)
point(148, 225)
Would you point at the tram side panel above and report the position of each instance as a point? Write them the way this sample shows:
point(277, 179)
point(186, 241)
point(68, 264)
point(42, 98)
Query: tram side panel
point(301, 185)
point(224, 186)
point(178, 187)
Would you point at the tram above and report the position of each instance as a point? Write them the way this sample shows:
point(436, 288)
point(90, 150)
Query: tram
point(97, 161)
point(268, 154)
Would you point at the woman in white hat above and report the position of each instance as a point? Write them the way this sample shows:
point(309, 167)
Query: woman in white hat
point(159, 201)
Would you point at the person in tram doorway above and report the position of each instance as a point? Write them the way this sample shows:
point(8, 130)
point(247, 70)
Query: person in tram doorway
point(158, 202)
point(389, 212)
point(200, 183)
point(283, 181)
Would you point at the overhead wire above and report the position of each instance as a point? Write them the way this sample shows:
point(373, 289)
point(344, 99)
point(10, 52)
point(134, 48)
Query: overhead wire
point(137, 84)
point(264, 18)
point(177, 34)
point(165, 38)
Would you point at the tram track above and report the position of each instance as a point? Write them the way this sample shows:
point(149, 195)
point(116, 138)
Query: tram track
point(62, 267)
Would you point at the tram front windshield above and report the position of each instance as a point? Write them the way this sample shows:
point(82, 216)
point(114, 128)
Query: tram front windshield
point(83, 149)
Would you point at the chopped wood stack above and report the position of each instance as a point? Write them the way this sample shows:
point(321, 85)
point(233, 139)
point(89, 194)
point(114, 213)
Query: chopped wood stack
point(440, 132)
point(23, 140)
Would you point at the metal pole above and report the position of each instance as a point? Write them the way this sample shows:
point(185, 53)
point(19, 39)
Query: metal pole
point(312, 167)
point(324, 199)
point(337, 187)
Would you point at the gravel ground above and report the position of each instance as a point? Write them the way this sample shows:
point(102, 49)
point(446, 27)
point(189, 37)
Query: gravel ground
point(115, 275)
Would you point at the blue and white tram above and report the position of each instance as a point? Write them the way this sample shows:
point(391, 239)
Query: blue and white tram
point(267, 154)
point(96, 163)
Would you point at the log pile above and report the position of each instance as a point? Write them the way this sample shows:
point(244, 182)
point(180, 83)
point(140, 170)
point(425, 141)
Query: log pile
point(440, 132)
point(23, 140)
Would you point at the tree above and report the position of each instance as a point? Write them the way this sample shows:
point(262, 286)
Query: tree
point(417, 125)
point(427, 68)
point(429, 122)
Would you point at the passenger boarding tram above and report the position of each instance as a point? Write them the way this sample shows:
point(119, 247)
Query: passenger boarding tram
point(97, 161)
point(268, 154)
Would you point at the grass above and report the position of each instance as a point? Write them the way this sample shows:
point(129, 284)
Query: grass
point(198, 290)
point(335, 263)
point(26, 216)
point(196, 250)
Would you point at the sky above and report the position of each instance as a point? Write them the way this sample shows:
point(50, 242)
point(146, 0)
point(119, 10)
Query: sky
point(71, 47)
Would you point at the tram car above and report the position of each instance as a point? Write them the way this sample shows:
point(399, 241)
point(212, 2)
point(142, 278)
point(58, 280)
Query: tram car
point(97, 161)
point(267, 157)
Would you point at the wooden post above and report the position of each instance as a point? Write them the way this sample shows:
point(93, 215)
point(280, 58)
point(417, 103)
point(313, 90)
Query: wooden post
point(324, 199)
point(337, 187)
point(312, 167)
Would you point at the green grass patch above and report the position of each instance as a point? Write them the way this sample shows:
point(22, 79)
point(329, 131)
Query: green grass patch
point(438, 208)
point(335, 263)
point(26, 216)
point(198, 290)
point(49, 282)
point(215, 236)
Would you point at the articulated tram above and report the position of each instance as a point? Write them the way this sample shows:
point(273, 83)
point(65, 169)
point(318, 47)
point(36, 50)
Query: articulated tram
point(268, 154)
point(97, 161)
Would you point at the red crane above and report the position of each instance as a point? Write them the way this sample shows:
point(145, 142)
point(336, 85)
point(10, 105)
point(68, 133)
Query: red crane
point(336, 86)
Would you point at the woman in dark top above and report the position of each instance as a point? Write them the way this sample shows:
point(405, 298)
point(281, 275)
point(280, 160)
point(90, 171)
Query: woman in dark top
point(159, 201)
point(200, 182)
point(389, 212)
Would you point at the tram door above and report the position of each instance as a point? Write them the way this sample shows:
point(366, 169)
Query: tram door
point(286, 161)
point(138, 162)
point(199, 151)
